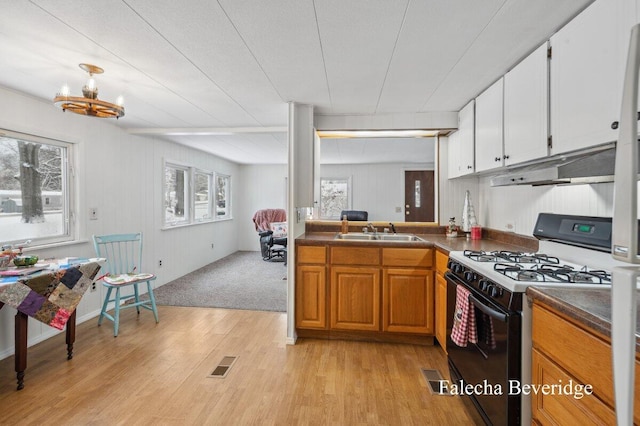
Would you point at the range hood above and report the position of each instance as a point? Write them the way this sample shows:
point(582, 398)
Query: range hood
point(591, 166)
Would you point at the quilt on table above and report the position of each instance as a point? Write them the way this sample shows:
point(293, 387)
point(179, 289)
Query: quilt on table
point(50, 297)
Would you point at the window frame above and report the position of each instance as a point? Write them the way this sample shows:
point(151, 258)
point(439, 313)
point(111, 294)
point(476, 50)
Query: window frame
point(210, 181)
point(69, 190)
point(190, 197)
point(228, 204)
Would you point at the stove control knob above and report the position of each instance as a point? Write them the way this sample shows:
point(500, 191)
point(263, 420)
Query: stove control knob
point(456, 267)
point(484, 285)
point(495, 291)
point(470, 276)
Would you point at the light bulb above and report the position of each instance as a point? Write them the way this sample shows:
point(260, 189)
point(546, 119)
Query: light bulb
point(120, 101)
point(91, 83)
point(64, 90)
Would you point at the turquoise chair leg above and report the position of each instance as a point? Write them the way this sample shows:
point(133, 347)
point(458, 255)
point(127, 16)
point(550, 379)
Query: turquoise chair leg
point(137, 297)
point(104, 305)
point(116, 316)
point(152, 298)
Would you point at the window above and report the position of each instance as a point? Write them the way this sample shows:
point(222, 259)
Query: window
point(202, 202)
point(35, 192)
point(223, 196)
point(188, 196)
point(176, 194)
point(335, 196)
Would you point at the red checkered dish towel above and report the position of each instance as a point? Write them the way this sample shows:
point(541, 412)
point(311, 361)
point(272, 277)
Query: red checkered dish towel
point(464, 319)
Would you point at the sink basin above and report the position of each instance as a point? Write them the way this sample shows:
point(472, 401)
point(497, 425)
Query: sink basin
point(399, 237)
point(358, 236)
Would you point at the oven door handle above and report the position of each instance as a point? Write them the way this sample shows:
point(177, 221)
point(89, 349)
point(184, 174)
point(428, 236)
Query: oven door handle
point(487, 310)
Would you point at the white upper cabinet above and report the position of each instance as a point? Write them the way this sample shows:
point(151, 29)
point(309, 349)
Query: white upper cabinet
point(526, 109)
point(587, 68)
point(489, 130)
point(466, 135)
point(461, 144)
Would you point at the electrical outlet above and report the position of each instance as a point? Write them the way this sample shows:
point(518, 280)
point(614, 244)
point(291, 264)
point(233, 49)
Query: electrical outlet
point(93, 286)
point(93, 213)
point(160, 263)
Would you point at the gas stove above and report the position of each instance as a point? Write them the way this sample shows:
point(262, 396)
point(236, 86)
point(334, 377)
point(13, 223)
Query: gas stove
point(515, 271)
point(574, 252)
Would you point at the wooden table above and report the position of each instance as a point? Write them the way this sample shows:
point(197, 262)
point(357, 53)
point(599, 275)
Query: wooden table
point(50, 297)
point(21, 327)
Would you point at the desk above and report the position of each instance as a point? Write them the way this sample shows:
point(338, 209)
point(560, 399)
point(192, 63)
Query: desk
point(50, 296)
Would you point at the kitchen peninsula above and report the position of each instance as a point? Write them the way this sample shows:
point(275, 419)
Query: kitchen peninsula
point(380, 290)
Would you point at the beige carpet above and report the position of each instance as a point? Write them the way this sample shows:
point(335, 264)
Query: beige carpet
point(241, 280)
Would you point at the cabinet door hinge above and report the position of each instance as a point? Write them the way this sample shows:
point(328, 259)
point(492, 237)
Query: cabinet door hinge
point(549, 52)
point(550, 142)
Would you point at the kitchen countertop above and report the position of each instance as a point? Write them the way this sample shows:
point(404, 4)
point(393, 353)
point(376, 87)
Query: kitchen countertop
point(438, 241)
point(589, 307)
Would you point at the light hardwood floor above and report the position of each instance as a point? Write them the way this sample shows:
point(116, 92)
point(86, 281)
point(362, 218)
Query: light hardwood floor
point(157, 374)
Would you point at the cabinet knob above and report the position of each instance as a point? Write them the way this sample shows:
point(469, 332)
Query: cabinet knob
point(506, 157)
point(469, 167)
point(407, 212)
point(497, 159)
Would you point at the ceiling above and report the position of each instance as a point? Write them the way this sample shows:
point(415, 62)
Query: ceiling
point(217, 75)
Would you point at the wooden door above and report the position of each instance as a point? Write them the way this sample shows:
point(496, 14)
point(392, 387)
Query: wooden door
point(408, 300)
point(311, 292)
point(355, 298)
point(419, 196)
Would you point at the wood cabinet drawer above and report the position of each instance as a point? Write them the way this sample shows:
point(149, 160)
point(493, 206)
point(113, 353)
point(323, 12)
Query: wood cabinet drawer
point(559, 408)
point(582, 354)
point(413, 257)
point(441, 261)
point(312, 254)
point(355, 256)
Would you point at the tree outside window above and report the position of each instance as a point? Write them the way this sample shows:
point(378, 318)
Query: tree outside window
point(334, 197)
point(34, 189)
point(223, 196)
point(202, 202)
point(176, 201)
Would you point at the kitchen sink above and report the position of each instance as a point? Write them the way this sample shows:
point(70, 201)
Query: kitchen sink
point(356, 236)
point(399, 237)
point(361, 236)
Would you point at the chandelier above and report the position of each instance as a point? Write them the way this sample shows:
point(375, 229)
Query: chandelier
point(89, 104)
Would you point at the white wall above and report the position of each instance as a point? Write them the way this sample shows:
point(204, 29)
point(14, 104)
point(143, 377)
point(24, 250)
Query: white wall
point(263, 187)
point(120, 175)
point(520, 205)
point(376, 188)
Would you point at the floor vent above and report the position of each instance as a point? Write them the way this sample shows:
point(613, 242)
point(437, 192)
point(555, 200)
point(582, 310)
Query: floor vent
point(221, 370)
point(435, 382)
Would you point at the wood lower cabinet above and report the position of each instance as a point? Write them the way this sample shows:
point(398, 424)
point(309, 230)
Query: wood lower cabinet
point(365, 292)
point(311, 287)
point(311, 296)
point(355, 298)
point(408, 300)
point(441, 299)
point(566, 352)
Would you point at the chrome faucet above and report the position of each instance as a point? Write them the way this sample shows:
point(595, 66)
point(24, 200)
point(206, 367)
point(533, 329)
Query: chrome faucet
point(393, 228)
point(373, 228)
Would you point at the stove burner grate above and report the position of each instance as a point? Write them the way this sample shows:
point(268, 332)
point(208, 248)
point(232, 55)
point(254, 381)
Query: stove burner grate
point(510, 256)
point(553, 273)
